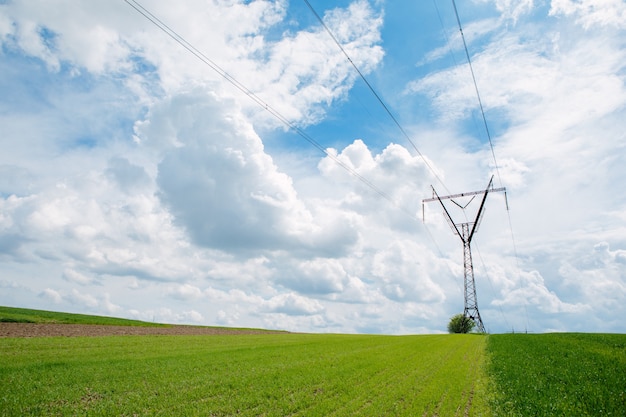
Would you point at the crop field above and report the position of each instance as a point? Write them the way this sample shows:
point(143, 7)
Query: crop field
point(250, 375)
point(279, 374)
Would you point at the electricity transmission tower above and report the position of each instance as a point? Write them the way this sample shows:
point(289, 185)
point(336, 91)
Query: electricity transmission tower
point(465, 230)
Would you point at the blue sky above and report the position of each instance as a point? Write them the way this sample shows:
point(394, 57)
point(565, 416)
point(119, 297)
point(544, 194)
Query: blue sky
point(137, 182)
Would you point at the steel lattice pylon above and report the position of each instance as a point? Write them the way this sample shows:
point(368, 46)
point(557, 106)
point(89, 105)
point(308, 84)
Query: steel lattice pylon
point(466, 231)
point(470, 309)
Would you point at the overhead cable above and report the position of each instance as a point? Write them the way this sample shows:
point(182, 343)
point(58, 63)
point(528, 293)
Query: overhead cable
point(241, 87)
point(380, 100)
point(493, 153)
point(480, 102)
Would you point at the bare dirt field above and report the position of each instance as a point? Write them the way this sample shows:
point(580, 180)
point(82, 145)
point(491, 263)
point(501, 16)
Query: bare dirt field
point(73, 330)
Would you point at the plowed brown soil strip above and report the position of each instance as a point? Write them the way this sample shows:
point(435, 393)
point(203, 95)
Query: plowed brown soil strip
point(73, 330)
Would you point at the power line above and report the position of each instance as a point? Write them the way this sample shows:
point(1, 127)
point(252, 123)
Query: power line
point(480, 102)
point(241, 87)
point(291, 125)
point(387, 110)
point(380, 100)
point(493, 154)
point(395, 120)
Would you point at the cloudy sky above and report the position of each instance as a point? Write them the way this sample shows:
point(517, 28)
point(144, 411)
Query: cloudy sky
point(232, 167)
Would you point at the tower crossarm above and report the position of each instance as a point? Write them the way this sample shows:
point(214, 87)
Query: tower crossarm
point(447, 197)
point(437, 197)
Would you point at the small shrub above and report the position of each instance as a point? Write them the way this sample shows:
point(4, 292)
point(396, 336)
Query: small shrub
point(460, 324)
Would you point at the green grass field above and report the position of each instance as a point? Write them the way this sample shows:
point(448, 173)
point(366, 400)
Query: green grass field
point(569, 374)
point(314, 375)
